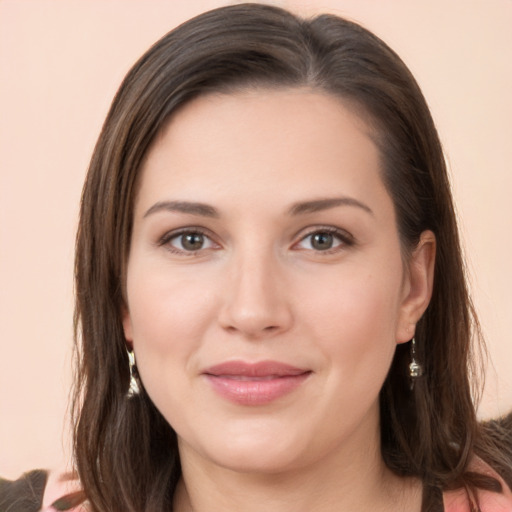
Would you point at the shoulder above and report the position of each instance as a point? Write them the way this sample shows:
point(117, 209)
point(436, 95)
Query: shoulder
point(488, 501)
point(42, 491)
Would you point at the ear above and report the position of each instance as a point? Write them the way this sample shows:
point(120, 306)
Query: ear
point(127, 326)
point(418, 285)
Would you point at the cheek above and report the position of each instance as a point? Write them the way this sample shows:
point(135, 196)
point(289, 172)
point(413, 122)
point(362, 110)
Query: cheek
point(168, 320)
point(165, 304)
point(354, 325)
point(365, 305)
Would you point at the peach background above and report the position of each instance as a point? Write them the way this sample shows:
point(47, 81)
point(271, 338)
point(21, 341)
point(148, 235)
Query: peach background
point(60, 64)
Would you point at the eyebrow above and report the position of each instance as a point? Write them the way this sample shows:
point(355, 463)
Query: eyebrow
point(317, 205)
point(192, 208)
point(300, 208)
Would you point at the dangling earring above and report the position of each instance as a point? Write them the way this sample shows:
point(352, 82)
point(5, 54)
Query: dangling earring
point(415, 368)
point(134, 388)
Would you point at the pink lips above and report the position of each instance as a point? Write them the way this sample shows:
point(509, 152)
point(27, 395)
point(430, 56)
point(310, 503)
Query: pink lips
point(254, 383)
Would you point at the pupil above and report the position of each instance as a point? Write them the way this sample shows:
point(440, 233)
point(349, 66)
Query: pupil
point(322, 241)
point(192, 241)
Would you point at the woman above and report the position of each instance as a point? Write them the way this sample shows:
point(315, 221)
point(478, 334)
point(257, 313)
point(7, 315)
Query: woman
point(267, 230)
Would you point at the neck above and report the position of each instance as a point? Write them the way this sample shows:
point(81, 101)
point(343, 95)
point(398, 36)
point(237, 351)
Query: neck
point(343, 480)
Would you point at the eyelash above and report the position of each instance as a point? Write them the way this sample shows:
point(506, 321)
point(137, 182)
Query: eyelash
point(172, 235)
point(344, 238)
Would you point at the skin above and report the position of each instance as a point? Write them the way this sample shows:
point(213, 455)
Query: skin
point(259, 288)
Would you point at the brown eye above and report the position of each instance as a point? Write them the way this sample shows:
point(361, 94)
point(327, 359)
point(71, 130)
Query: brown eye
point(187, 242)
point(192, 241)
point(322, 241)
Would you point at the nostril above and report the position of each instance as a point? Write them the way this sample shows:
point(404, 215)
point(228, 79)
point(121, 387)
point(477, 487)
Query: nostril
point(253, 332)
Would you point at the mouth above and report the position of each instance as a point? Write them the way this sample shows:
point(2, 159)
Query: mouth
point(255, 383)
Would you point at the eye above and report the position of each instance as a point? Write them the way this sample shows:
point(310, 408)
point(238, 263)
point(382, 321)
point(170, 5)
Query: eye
point(325, 240)
point(187, 241)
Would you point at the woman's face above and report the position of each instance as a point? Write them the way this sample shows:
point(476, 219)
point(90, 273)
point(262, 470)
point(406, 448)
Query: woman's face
point(266, 289)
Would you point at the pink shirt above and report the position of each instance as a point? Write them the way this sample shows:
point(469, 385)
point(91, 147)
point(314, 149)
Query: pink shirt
point(459, 501)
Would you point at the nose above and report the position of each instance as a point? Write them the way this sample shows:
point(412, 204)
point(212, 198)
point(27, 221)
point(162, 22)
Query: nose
point(255, 300)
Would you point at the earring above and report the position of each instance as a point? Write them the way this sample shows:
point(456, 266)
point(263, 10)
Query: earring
point(134, 388)
point(415, 368)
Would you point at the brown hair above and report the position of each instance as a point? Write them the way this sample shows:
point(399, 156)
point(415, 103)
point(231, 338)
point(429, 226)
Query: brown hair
point(125, 450)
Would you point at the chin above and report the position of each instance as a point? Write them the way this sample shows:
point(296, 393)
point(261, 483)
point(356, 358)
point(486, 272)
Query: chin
point(264, 461)
point(246, 448)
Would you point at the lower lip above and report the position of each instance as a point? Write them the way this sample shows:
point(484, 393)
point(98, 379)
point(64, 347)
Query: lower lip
point(255, 391)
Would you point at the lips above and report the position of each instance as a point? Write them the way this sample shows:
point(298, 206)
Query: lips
point(254, 383)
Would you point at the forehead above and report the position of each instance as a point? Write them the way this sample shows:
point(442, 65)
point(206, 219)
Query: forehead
point(262, 140)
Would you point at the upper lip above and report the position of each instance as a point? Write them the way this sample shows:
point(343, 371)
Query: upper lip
point(258, 369)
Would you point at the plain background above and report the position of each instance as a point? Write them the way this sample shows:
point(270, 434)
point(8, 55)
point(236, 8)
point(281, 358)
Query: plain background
point(60, 65)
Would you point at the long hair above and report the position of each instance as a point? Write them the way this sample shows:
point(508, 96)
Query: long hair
point(126, 453)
